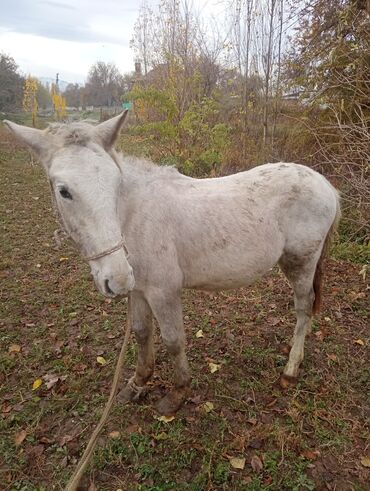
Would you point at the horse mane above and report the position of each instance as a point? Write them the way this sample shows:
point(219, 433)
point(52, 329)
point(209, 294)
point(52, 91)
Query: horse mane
point(143, 167)
point(76, 133)
point(81, 133)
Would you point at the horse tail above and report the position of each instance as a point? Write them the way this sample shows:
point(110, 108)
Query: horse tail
point(317, 280)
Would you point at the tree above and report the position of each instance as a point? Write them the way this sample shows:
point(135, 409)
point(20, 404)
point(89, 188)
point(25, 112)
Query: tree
point(43, 96)
point(329, 63)
point(73, 95)
point(59, 102)
point(11, 84)
point(104, 84)
point(30, 103)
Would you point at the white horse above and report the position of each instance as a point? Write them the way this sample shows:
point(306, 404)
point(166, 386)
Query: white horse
point(148, 231)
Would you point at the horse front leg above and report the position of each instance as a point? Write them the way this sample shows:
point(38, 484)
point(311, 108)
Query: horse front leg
point(168, 311)
point(141, 318)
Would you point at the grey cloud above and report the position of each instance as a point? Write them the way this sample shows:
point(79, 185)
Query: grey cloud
point(66, 20)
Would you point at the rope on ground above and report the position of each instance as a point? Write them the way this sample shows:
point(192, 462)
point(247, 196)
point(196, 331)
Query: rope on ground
point(88, 453)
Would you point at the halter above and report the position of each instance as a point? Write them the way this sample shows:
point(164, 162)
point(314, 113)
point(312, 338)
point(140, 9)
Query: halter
point(120, 245)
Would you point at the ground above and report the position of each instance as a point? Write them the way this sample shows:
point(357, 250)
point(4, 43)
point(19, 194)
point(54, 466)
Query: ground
point(54, 325)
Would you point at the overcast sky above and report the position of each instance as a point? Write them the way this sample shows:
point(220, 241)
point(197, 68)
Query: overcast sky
point(67, 36)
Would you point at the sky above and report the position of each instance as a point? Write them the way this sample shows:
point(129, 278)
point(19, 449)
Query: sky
point(67, 36)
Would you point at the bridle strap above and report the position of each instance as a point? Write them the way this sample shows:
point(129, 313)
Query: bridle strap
point(120, 245)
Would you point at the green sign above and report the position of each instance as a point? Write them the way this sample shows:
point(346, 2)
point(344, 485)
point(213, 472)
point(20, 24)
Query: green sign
point(127, 105)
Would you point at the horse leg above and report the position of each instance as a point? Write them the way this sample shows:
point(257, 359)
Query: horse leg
point(168, 312)
point(141, 319)
point(300, 276)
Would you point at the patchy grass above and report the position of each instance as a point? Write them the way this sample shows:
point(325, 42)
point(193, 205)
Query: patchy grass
point(53, 322)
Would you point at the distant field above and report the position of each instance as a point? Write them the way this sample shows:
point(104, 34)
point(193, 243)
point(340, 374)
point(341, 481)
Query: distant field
point(54, 325)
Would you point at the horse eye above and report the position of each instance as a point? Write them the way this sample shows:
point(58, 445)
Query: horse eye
point(65, 194)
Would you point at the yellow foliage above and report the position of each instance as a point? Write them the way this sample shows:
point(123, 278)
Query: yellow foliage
point(59, 103)
point(30, 103)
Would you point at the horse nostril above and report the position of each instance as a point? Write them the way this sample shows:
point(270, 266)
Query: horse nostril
point(107, 289)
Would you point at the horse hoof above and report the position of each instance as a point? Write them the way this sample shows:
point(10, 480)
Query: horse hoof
point(286, 381)
point(131, 392)
point(171, 402)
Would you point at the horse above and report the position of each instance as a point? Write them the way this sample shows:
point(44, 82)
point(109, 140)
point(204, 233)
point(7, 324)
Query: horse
point(148, 231)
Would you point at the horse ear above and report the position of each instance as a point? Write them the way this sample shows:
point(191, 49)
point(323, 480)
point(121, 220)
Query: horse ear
point(108, 131)
point(41, 143)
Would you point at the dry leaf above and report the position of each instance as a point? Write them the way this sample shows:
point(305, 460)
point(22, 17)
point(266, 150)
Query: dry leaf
point(310, 455)
point(65, 439)
point(61, 259)
point(199, 334)
point(364, 271)
point(102, 361)
point(214, 367)
point(51, 380)
point(161, 436)
point(256, 463)
point(37, 383)
point(114, 434)
point(14, 348)
point(6, 408)
point(20, 436)
point(208, 407)
point(365, 461)
point(332, 357)
point(359, 341)
point(237, 463)
point(165, 419)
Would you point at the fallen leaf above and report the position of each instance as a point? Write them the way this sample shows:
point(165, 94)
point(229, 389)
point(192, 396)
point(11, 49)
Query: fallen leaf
point(199, 334)
point(365, 461)
point(237, 463)
point(214, 367)
point(50, 380)
point(45, 439)
point(319, 335)
point(161, 436)
point(14, 348)
point(18, 407)
point(114, 434)
point(256, 463)
point(102, 361)
point(332, 357)
point(38, 450)
point(364, 271)
point(165, 419)
point(6, 408)
point(61, 259)
point(37, 383)
point(208, 407)
point(65, 439)
point(359, 341)
point(20, 436)
point(310, 455)
point(80, 367)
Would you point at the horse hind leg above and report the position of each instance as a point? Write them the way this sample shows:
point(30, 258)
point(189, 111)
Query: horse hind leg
point(300, 273)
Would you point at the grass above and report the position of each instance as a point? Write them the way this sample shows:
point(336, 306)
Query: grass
point(314, 433)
